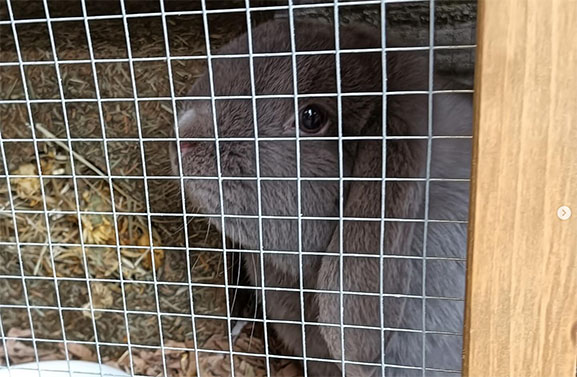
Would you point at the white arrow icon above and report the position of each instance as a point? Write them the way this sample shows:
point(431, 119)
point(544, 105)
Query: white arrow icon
point(564, 213)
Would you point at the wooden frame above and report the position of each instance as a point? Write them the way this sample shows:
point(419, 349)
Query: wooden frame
point(521, 316)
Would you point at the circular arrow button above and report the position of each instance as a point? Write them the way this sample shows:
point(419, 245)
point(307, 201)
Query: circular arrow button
point(564, 213)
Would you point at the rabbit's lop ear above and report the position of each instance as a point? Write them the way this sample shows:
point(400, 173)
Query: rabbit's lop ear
point(362, 274)
point(364, 232)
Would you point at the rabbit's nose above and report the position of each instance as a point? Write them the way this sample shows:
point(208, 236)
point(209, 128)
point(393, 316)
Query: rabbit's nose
point(186, 147)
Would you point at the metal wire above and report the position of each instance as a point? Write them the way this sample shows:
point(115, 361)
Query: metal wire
point(383, 188)
point(219, 174)
point(258, 183)
point(230, 56)
point(299, 180)
point(212, 11)
point(427, 183)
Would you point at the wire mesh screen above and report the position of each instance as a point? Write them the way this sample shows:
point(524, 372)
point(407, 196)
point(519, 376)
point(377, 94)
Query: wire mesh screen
point(241, 188)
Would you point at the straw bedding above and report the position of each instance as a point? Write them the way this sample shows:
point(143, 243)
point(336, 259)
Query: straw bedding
point(126, 159)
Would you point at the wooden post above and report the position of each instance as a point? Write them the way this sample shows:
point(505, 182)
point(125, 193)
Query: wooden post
point(521, 316)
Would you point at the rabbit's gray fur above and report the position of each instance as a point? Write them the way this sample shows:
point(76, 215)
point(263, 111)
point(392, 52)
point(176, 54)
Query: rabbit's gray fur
point(406, 115)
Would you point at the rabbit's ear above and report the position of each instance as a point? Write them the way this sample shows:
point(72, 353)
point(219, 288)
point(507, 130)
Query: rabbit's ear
point(363, 274)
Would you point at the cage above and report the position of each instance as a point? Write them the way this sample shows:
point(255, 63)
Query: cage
point(244, 188)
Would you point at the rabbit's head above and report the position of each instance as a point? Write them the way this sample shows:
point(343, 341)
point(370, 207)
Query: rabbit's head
point(274, 156)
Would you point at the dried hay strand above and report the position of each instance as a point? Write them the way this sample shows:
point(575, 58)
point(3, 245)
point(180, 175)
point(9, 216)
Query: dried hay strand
point(111, 250)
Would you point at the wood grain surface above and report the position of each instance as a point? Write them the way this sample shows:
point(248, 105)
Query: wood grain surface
point(521, 315)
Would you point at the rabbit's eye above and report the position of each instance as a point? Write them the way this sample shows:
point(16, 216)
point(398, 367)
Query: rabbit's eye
point(312, 118)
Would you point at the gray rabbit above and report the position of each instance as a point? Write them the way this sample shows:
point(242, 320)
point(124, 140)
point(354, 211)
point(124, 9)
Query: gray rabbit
point(321, 163)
